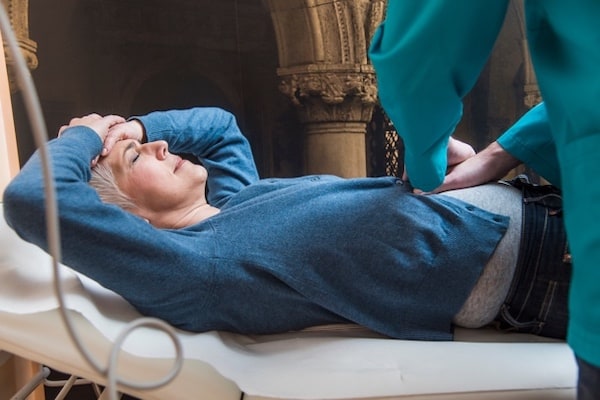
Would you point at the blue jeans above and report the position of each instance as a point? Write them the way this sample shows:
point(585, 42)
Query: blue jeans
point(537, 299)
point(588, 386)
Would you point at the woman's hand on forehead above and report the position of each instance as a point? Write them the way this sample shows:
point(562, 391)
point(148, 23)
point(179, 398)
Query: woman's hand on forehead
point(100, 124)
point(127, 130)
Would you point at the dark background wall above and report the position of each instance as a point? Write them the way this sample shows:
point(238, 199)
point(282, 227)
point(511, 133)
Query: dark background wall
point(134, 56)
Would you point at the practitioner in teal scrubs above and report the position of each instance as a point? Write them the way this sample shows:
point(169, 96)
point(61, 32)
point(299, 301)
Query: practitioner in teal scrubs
point(428, 55)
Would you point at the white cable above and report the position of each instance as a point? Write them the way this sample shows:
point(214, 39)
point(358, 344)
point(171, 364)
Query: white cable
point(41, 136)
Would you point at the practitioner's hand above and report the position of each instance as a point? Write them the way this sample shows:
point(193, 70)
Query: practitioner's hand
point(458, 152)
point(490, 164)
point(128, 130)
point(101, 125)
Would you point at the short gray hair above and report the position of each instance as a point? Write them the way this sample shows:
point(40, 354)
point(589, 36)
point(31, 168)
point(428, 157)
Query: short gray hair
point(103, 180)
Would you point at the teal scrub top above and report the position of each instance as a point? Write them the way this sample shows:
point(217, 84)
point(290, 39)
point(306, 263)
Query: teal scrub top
point(530, 140)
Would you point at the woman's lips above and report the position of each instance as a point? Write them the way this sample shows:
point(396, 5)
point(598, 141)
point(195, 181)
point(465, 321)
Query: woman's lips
point(179, 163)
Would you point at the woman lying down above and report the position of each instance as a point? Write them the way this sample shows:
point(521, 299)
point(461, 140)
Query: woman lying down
point(211, 246)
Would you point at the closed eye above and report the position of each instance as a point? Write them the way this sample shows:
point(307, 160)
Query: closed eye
point(126, 157)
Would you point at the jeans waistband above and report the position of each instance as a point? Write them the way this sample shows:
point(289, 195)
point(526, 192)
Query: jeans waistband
point(537, 301)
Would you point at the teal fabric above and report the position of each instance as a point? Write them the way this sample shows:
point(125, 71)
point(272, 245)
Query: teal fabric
point(581, 185)
point(428, 54)
point(564, 39)
point(530, 140)
point(427, 57)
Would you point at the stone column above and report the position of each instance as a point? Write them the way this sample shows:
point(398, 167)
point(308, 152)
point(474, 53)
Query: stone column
point(325, 72)
point(18, 13)
point(531, 90)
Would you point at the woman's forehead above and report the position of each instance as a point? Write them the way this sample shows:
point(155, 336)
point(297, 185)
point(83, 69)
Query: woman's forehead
point(116, 158)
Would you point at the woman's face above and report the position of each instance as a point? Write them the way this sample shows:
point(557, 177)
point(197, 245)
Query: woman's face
point(155, 179)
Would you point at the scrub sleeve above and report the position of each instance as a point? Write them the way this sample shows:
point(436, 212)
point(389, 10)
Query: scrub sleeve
point(429, 54)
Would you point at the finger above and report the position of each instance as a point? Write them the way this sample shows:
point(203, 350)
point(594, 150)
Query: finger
point(109, 142)
point(74, 121)
point(116, 132)
point(114, 119)
point(109, 121)
point(458, 151)
point(85, 119)
point(93, 116)
point(77, 121)
point(113, 136)
point(95, 161)
point(61, 130)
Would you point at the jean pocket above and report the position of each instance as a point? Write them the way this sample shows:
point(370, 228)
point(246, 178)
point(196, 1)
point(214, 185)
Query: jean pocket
point(508, 323)
point(543, 313)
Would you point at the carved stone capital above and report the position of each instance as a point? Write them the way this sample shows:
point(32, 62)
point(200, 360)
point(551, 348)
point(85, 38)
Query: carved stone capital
point(325, 72)
point(331, 94)
point(18, 13)
point(324, 31)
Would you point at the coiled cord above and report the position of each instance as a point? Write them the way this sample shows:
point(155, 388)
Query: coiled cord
point(40, 135)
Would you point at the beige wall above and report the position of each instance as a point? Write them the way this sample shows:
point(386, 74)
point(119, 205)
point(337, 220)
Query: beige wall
point(14, 372)
point(9, 160)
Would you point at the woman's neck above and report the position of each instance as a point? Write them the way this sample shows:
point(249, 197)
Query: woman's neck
point(183, 218)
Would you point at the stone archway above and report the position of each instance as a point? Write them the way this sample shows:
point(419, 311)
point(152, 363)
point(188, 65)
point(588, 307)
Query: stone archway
point(325, 72)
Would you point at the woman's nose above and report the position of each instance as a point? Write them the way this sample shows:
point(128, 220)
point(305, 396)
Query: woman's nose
point(160, 148)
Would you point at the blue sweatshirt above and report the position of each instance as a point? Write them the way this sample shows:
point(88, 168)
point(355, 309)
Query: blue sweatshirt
point(283, 254)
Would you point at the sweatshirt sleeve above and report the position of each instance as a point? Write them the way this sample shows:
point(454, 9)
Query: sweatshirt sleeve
point(530, 140)
point(69, 157)
point(98, 239)
point(213, 136)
